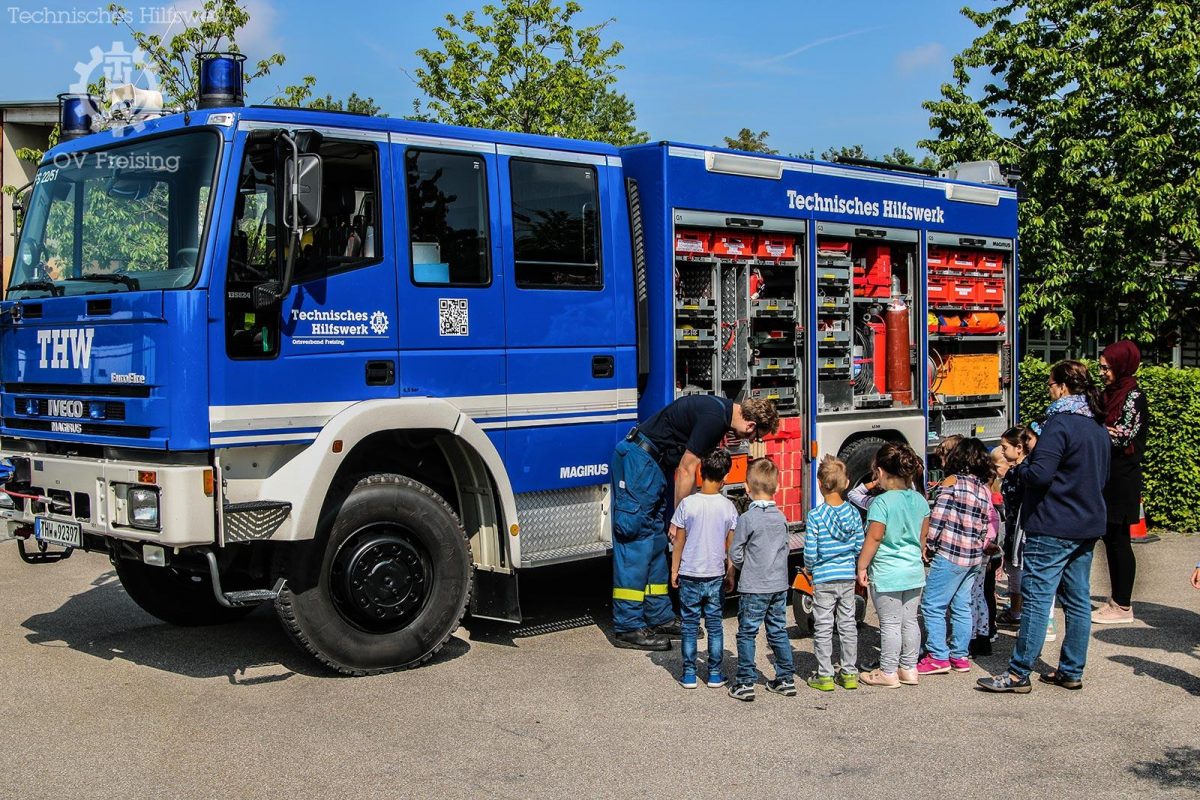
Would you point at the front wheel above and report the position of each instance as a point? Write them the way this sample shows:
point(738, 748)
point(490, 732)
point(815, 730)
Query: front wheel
point(175, 596)
point(388, 584)
point(802, 609)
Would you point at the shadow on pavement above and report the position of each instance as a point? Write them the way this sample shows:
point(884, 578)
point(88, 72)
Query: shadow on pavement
point(1165, 628)
point(103, 622)
point(1179, 768)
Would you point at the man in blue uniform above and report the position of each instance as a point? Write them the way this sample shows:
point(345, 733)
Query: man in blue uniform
point(653, 469)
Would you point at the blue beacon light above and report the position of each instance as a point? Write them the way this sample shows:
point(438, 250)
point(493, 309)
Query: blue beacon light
point(221, 79)
point(76, 115)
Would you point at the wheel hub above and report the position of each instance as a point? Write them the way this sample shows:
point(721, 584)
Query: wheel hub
point(380, 580)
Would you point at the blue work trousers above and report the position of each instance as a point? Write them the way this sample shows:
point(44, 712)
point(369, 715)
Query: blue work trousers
point(640, 513)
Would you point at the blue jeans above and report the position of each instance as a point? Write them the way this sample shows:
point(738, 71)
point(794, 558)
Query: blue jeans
point(754, 611)
point(1063, 567)
point(701, 596)
point(948, 588)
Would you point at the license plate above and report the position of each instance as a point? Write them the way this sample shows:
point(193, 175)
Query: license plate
point(52, 531)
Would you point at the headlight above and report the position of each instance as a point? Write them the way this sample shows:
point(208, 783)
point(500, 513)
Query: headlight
point(142, 504)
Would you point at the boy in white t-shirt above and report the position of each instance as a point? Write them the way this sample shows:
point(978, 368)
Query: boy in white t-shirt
point(701, 531)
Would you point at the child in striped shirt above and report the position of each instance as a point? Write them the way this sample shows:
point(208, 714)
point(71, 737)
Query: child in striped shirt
point(832, 541)
point(959, 532)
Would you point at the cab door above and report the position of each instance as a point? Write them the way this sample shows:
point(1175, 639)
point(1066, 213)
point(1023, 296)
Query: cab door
point(451, 281)
point(337, 321)
point(569, 316)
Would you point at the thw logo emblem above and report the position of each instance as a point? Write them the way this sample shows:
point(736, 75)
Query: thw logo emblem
point(71, 348)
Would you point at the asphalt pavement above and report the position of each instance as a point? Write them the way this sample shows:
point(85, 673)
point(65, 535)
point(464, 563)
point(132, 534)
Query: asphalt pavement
point(101, 700)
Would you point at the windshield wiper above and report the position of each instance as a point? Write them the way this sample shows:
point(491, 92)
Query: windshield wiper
point(124, 280)
point(49, 286)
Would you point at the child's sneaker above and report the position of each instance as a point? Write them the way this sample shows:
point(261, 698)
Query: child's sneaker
point(878, 677)
point(715, 680)
point(960, 664)
point(932, 666)
point(785, 686)
point(822, 683)
point(908, 677)
point(688, 681)
point(846, 680)
point(742, 691)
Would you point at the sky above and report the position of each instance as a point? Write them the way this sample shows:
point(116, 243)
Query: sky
point(814, 74)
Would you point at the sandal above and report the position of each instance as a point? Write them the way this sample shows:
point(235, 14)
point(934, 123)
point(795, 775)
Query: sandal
point(1056, 678)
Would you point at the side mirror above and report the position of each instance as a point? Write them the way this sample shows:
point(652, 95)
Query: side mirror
point(303, 174)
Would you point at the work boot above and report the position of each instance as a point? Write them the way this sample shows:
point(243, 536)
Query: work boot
point(643, 639)
point(674, 629)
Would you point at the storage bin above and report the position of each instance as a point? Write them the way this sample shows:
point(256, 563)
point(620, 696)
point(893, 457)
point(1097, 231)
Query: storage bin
point(693, 243)
point(775, 247)
point(938, 257)
point(989, 262)
point(733, 245)
point(966, 292)
point(941, 290)
point(963, 260)
point(990, 292)
point(968, 375)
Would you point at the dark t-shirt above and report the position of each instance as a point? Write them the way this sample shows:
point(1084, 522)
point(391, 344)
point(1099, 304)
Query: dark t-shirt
point(696, 422)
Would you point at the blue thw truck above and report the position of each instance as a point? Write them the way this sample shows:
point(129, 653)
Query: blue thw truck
point(370, 369)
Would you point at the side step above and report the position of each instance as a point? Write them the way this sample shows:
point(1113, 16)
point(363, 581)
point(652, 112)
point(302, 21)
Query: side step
point(248, 597)
point(255, 520)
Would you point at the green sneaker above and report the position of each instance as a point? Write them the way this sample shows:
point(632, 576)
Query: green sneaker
point(822, 683)
point(847, 680)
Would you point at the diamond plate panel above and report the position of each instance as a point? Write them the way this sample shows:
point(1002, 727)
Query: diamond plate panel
point(245, 522)
point(561, 519)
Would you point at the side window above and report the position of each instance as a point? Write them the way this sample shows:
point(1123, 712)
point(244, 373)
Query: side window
point(348, 234)
point(447, 218)
point(556, 241)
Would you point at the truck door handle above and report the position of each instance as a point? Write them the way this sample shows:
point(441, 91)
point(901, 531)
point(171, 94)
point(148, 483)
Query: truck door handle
point(381, 373)
point(603, 367)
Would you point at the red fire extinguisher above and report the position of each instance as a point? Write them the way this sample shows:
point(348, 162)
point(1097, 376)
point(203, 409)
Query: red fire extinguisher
point(899, 371)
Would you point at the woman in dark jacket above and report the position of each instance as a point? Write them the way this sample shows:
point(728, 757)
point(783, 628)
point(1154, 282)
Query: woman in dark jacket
point(1062, 516)
point(1127, 417)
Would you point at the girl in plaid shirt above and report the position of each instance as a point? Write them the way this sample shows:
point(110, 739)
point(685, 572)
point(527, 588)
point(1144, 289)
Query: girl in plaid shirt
point(959, 533)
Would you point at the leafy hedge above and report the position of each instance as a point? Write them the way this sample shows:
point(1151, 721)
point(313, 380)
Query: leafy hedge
point(1172, 465)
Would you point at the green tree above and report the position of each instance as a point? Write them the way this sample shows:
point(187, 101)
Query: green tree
point(301, 96)
point(750, 141)
point(212, 27)
point(526, 67)
point(903, 158)
point(853, 151)
point(1098, 105)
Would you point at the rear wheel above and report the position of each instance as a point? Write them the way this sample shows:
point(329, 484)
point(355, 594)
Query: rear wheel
point(175, 596)
point(859, 456)
point(388, 584)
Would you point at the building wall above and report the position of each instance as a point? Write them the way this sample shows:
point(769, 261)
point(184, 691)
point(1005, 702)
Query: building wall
point(20, 127)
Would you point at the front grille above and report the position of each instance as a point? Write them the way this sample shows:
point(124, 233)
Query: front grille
point(85, 428)
point(139, 390)
point(113, 411)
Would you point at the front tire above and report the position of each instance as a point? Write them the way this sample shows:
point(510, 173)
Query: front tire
point(802, 610)
point(175, 596)
point(388, 584)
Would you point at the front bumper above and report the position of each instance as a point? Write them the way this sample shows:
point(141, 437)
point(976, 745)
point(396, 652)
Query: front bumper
point(90, 492)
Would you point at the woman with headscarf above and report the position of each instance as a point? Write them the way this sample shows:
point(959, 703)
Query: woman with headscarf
point(1127, 418)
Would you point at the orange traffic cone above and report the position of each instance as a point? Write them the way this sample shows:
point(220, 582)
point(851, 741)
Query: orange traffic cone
point(1137, 531)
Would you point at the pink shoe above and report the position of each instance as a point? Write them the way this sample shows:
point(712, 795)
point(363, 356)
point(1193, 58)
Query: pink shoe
point(960, 664)
point(932, 666)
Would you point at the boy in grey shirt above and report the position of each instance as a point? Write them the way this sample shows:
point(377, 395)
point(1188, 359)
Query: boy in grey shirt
point(760, 549)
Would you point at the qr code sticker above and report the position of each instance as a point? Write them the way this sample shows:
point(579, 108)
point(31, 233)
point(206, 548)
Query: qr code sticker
point(452, 318)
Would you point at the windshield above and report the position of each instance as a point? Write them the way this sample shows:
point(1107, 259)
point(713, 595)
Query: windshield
point(121, 219)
